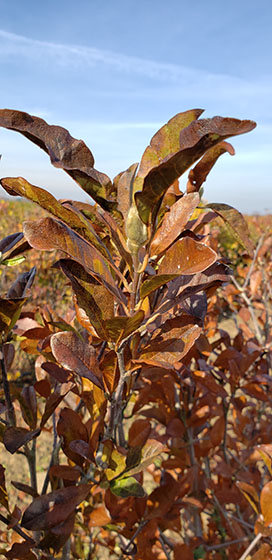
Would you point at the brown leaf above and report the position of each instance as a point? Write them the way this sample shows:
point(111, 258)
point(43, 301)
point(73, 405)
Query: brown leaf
point(155, 282)
point(75, 220)
point(22, 284)
point(123, 183)
point(54, 399)
point(250, 494)
point(264, 553)
point(9, 353)
point(25, 488)
point(266, 503)
point(7, 243)
point(99, 517)
point(71, 428)
point(164, 143)
point(236, 222)
point(121, 327)
point(47, 234)
point(14, 438)
point(29, 407)
point(15, 517)
point(172, 343)
point(151, 450)
point(173, 223)
point(194, 140)
point(185, 286)
point(199, 173)
point(22, 551)
point(65, 152)
point(139, 432)
point(50, 510)
point(183, 551)
point(3, 490)
point(74, 354)
point(92, 297)
point(65, 472)
point(10, 310)
point(187, 256)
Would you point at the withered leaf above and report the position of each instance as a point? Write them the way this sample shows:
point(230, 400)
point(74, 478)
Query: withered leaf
point(92, 297)
point(65, 152)
point(74, 354)
point(195, 140)
point(54, 508)
point(173, 341)
point(187, 256)
point(18, 186)
point(48, 234)
point(14, 438)
point(236, 222)
point(25, 488)
point(266, 503)
point(199, 173)
point(3, 490)
point(10, 310)
point(173, 223)
point(164, 143)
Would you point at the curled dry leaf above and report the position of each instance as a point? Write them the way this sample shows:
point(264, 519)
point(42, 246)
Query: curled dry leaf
point(199, 173)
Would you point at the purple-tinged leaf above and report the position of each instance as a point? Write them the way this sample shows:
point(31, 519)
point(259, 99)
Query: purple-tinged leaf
point(14, 438)
point(22, 284)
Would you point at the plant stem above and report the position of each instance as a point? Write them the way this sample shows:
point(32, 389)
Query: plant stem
point(17, 529)
point(116, 405)
point(66, 550)
point(31, 459)
point(251, 546)
point(10, 412)
point(54, 454)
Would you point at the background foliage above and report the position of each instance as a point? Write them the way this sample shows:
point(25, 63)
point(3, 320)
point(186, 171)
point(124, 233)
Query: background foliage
point(149, 361)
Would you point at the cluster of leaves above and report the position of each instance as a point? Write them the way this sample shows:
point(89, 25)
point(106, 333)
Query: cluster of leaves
point(154, 419)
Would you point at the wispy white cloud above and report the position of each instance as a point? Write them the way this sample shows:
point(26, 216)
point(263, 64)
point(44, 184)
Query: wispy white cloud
point(75, 55)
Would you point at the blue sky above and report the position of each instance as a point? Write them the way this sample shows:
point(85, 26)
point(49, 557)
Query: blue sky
point(113, 72)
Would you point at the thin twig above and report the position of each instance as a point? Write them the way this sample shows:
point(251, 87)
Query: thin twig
point(251, 546)
point(10, 408)
point(116, 401)
point(17, 529)
point(54, 454)
point(66, 550)
point(31, 459)
point(250, 270)
point(225, 544)
point(163, 545)
point(130, 542)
